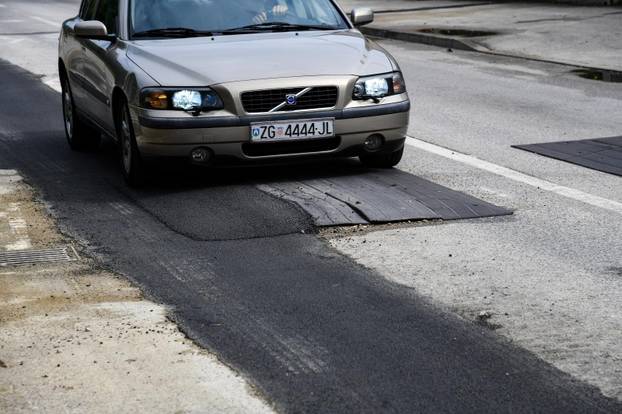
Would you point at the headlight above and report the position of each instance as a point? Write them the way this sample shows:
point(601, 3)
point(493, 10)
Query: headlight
point(379, 86)
point(189, 100)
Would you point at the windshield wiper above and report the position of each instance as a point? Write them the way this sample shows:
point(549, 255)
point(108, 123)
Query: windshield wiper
point(252, 28)
point(173, 32)
point(278, 26)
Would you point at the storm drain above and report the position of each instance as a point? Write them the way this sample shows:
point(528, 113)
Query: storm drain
point(25, 257)
point(457, 32)
point(599, 75)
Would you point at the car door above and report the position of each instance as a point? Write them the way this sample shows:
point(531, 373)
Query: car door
point(99, 61)
point(75, 55)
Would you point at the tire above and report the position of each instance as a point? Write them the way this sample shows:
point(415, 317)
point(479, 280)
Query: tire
point(79, 135)
point(132, 164)
point(389, 160)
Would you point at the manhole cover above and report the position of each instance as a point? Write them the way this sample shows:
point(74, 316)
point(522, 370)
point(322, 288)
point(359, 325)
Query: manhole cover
point(24, 257)
point(457, 32)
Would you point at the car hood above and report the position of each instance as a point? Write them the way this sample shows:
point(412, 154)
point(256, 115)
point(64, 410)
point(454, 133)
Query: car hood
point(208, 61)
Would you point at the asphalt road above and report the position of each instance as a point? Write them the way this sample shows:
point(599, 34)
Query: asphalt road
point(314, 330)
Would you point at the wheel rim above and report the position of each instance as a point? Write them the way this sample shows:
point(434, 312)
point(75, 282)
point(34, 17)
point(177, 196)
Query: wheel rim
point(68, 113)
point(126, 142)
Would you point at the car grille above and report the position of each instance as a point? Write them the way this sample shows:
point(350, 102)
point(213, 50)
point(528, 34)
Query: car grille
point(266, 101)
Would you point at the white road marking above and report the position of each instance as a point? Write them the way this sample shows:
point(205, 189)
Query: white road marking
point(8, 181)
point(46, 21)
point(19, 228)
point(2, 6)
point(54, 83)
point(11, 21)
point(517, 176)
point(21, 244)
point(17, 225)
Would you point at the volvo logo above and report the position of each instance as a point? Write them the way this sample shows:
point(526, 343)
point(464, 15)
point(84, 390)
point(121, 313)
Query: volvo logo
point(291, 99)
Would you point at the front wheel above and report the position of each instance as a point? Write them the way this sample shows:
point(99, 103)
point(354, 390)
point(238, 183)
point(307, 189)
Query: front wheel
point(382, 160)
point(79, 135)
point(132, 165)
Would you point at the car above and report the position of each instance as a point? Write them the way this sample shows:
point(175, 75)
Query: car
point(219, 81)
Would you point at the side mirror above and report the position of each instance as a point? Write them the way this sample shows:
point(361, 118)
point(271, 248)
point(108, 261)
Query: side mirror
point(362, 16)
point(93, 29)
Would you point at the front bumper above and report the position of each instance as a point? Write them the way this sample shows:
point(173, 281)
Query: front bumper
point(229, 135)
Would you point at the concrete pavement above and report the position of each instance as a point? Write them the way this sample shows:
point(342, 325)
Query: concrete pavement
point(548, 277)
point(580, 36)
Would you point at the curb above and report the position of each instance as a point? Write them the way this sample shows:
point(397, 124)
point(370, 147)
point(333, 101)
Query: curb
point(424, 8)
point(439, 41)
point(459, 44)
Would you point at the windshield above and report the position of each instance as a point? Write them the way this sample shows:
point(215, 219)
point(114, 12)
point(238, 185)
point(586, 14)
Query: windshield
point(218, 16)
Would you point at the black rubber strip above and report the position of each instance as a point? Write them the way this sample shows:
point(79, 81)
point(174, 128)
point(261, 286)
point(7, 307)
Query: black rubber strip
point(601, 154)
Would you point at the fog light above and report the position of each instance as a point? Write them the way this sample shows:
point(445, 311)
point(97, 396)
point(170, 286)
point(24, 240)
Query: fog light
point(201, 155)
point(373, 142)
point(156, 100)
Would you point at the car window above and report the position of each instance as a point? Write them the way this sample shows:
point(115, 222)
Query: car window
point(323, 15)
point(108, 13)
point(88, 10)
point(221, 15)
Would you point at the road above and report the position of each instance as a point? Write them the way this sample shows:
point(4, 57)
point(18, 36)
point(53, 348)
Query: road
point(367, 323)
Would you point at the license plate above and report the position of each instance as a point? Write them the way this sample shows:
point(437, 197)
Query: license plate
point(292, 130)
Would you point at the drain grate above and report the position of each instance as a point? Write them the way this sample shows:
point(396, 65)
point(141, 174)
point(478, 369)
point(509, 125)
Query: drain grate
point(24, 257)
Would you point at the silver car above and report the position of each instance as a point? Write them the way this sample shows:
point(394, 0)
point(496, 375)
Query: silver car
point(217, 80)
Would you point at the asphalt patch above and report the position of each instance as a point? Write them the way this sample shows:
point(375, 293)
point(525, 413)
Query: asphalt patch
point(601, 154)
point(222, 212)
